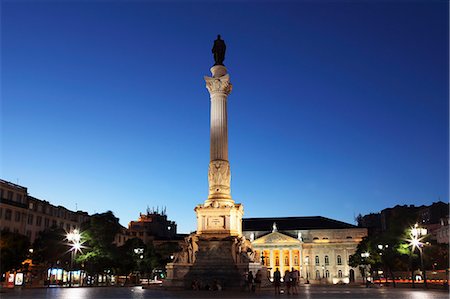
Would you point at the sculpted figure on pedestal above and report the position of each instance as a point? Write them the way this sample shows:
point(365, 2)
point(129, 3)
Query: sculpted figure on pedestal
point(218, 50)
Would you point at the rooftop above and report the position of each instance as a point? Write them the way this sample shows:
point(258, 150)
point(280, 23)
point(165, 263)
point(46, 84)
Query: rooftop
point(293, 223)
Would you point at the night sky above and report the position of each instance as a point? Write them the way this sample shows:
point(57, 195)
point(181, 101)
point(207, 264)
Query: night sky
point(338, 107)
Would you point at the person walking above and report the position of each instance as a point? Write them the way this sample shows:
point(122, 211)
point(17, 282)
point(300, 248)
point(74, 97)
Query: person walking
point(277, 281)
point(258, 279)
point(294, 281)
point(250, 281)
point(287, 281)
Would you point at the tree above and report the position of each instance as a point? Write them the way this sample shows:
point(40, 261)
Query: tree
point(99, 253)
point(13, 250)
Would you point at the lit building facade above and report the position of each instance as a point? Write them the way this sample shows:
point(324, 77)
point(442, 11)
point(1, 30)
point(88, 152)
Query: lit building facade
point(318, 247)
point(151, 226)
point(27, 215)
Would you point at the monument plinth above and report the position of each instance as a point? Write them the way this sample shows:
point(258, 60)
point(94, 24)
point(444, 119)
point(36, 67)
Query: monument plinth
point(217, 252)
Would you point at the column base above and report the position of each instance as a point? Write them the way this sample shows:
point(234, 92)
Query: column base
point(219, 219)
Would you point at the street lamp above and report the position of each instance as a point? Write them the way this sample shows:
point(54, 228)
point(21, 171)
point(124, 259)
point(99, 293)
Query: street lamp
point(365, 255)
point(140, 254)
point(417, 235)
point(74, 238)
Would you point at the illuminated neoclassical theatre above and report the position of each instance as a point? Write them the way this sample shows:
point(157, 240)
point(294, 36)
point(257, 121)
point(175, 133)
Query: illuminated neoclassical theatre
point(318, 247)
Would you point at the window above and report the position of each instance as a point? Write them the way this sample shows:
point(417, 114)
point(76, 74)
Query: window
point(8, 214)
point(53, 223)
point(10, 195)
point(1, 193)
point(339, 260)
point(317, 260)
point(17, 216)
point(30, 219)
point(327, 260)
point(30, 205)
point(46, 222)
point(286, 260)
point(19, 197)
point(317, 274)
point(277, 261)
point(349, 237)
point(327, 274)
point(315, 238)
point(38, 220)
point(67, 226)
point(340, 274)
point(295, 260)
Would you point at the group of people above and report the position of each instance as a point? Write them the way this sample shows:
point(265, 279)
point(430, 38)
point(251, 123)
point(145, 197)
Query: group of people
point(253, 283)
point(291, 280)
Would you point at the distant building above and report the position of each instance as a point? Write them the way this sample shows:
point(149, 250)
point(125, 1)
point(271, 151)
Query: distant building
point(442, 233)
point(27, 215)
point(318, 247)
point(153, 225)
point(433, 213)
point(432, 217)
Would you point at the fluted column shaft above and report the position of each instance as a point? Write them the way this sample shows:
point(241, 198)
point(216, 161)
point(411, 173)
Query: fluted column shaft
point(219, 127)
point(219, 174)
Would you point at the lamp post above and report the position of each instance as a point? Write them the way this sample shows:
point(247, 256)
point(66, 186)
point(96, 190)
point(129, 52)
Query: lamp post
point(382, 249)
point(417, 235)
point(140, 253)
point(74, 239)
point(364, 257)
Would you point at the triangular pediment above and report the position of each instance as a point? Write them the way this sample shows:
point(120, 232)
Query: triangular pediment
point(276, 238)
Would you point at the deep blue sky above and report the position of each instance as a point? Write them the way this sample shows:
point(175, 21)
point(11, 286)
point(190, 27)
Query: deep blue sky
point(338, 107)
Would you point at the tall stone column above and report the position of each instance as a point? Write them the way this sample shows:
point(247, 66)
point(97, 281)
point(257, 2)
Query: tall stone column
point(219, 174)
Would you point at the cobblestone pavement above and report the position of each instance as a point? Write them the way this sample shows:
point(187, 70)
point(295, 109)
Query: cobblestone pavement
point(307, 292)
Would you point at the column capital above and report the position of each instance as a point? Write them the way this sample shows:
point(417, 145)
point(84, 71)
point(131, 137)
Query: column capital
point(219, 85)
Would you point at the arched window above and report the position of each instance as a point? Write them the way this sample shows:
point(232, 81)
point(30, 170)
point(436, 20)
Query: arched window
point(295, 260)
point(339, 260)
point(327, 273)
point(327, 260)
point(277, 261)
point(315, 238)
point(317, 274)
point(317, 260)
point(340, 274)
point(286, 260)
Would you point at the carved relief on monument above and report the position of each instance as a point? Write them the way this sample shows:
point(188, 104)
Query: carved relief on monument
point(219, 85)
point(187, 253)
point(219, 177)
